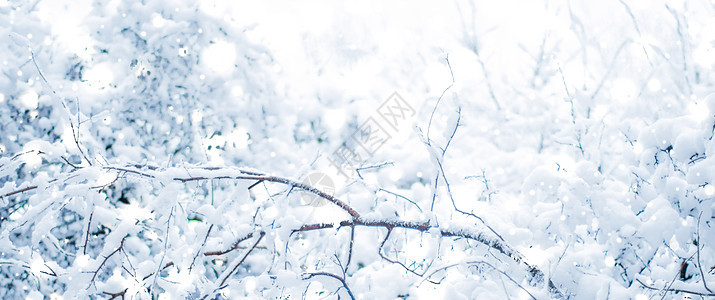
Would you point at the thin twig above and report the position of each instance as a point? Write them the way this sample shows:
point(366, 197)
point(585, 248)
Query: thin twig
point(683, 51)
point(674, 290)
point(86, 238)
point(491, 240)
point(373, 167)
point(166, 242)
point(233, 247)
point(454, 131)
point(202, 246)
point(76, 135)
point(243, 259)
point(702, 274)
point(255, 184)
point(426, 278)
point(115, 295)
point(121, 245)
point(382, 246)
point(480, 237)
point(400, 196)
point(69, 163)
point(350, 248)
point(429, 124)
point(29, 188)
point(341, 279)
point(635, 24)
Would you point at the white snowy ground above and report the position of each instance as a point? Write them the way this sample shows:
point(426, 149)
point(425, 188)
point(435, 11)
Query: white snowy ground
point(580, 132)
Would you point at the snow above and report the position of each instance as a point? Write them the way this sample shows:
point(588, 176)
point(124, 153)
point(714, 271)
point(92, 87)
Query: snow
point(586, 145)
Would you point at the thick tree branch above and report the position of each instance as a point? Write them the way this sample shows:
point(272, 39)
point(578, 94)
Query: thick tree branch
point(493, 242)
point(490, 239)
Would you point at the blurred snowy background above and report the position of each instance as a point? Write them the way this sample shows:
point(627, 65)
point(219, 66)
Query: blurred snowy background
point(578, 133)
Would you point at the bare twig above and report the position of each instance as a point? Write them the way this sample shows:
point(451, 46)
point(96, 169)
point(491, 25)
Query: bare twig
point(674, 290)
point(202, 246)
point(427, 278)
point(483, 178)
point(69, 163)
point(29, 188)
point(255, 184)
point(166, 242)
point(683, 51)
point(494, 243)
point(487, 238)
point(700, 267)
point(223, 281)
point(454, 204)
point(373, 167)
point(449, 65)
point(233, 247)
point(454, 131)
point(350, 248)
point(86, 238)
point(169, 264)
point(442, 174)
point(672, 281)
point(76, 134)
point(106, 258)
point(638, 30)
point(382, 246)
point(429, 124)
point(400, 196)
point(341, 279)
point(116, 295)
point(37, 67)
point(475, 49)
point(129, 170)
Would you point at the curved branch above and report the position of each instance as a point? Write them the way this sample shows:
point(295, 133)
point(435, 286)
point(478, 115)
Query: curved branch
point(427, 278)
point(674, 290)
point(238, 174)
point(106, 258)
point(262, 234)
point(342, 281)
point(480, 237)
point(490, 239)
point(234, 247)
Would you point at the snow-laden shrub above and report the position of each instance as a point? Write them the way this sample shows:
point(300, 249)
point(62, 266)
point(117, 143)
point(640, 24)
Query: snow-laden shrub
point(159, 149)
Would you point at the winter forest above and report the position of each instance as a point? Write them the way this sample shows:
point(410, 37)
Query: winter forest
point(463, 149)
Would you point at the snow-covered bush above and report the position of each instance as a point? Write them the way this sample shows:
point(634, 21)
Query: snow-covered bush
point(169, 149)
